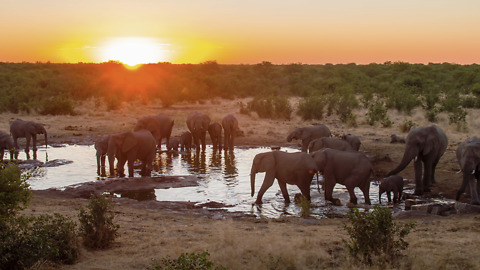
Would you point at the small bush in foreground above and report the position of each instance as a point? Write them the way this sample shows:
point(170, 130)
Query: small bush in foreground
point(374, 238)
point(96, 226)
point(187, 261)
point(14, 192)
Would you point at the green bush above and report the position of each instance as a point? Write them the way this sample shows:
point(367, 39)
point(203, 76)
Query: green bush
point(374, 238)
point(311, 108)
point(187, 261)
point(96, 226)
point(14, 192)
point(407, 125)
point(57, 106)
point(273, 107)
point(378, 113)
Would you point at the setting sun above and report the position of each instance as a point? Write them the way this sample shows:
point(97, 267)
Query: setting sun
point(133, 51)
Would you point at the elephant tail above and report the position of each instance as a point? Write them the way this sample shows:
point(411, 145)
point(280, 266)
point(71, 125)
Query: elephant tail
point(252, 181)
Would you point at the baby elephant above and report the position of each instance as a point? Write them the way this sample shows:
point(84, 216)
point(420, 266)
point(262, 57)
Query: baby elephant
point(173, 144)
point(397, 139)
point(393, 183)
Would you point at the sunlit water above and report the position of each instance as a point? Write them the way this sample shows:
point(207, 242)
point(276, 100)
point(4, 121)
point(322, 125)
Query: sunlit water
point(224, 178)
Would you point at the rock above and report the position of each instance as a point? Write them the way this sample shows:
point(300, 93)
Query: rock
point(466, 208)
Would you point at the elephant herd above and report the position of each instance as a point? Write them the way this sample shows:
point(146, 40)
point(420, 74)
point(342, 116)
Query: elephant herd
point(339, 161)
point(149, 132)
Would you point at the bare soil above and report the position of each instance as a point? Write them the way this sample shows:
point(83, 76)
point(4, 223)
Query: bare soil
point(151, 230)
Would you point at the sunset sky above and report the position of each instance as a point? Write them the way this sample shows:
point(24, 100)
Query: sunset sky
point(240, 32)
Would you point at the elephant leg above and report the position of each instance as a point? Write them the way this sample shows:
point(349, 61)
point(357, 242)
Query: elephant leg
point(130, 167)
point(283, 188)
point(329, 185)
point(2, 152)
point(418, 177)
point(366, 192)
point(462, 189)
point(389, 197)
point(267, 183)
point(204, 145)
point(305, 191)
point(27, 145)
point(102, 164)
point(351, 192)
point(34, 138)
point(120, 167)
point(434, 166)
point(427, 175)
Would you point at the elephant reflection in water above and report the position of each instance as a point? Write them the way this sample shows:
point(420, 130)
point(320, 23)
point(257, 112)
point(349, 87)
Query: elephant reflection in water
point(230, 164)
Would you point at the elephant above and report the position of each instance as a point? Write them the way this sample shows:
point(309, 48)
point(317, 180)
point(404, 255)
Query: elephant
point(130, 146)
point(173, 144)
point(101, 147)
point(288, 168)
point(198, 124)
point(351, 169)
point(307, 134)
point(6, 143)
point(424, 144)
point(231, 130)
point(468, 156)
point(393, 183)
point(215, 132)
point(186, 141)
point(329, 142)
point(159, 125)
point(29, 130)
point(397, 139)
point(353, 140)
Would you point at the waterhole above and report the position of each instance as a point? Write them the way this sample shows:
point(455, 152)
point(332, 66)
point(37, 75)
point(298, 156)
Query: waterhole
point(224, 181)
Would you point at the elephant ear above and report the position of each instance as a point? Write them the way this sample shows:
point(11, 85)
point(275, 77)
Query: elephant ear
point(129, 142)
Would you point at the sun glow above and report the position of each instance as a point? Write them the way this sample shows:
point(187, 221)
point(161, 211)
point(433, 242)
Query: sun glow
point(133, 51)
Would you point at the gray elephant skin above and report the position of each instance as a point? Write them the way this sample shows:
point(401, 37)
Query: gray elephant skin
point(186, 141)
point(101, 147)
point(28, 130)
point(307, 134)
point(288, 168)
point(392, 184)
point(425, 145)
point(329, 142)
point(353, 140)
point(396, 139)
point(468, 156)
point(215, 132)
point(351, 169)
point(230, 130)
point(173, 144)
point(130, 146)
point(159, 125)
point(6, 143)
point(198, 124)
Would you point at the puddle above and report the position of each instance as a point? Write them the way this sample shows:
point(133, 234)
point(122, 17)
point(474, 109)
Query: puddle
point(224, 180)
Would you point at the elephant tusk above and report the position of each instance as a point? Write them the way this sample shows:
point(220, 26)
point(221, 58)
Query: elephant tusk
point(473, 172)
point(416, 157)
point(459, 172)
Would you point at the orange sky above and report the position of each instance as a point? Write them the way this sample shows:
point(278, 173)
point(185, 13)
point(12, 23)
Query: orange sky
point(240, 32)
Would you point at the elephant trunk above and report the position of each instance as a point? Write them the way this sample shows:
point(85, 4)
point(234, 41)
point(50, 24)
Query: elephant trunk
point(407, 157)
point(290, 137)
point(252, 180)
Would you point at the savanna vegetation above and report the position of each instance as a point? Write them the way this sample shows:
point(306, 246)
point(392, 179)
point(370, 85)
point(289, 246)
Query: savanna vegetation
point(49, 88)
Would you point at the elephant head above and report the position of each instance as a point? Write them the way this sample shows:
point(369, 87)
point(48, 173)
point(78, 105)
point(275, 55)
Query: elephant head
point(198, 124)
point(159, 125)
point(297, 134)
point(468, 155)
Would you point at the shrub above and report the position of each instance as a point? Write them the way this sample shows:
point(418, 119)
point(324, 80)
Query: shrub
point(374, 235)
point(14, 192)
point(378, 113)
point(187, 261)
point(274, 107)
point(96, 226)
point(407, 125)
point(57, 106)
point(311, 108)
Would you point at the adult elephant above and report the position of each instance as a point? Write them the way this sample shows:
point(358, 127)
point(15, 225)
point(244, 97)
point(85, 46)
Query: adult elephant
point(215, 132)
point(198, 124)
point(351, 169)
point(130, 146)
point(427, 145)
point(230, 130)
point(159, 125)
point(307, 134)
point(353, 140)
point(28, 130)
point(6, 143)
point(101, 147)
point(468, 156)
point(329, 142)
point(288, 168)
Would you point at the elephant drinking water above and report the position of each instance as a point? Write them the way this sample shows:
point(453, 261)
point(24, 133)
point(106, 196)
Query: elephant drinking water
point(307, 134)
point(28, 130)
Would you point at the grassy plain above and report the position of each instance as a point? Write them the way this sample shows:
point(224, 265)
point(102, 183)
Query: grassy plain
point(148, 232)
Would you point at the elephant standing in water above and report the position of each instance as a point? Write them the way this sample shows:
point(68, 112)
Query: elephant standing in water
point(215, 132)
point(230, 130)
point(29, 130)
point(468, 156)
point(159, 125)
point(130, 146)
point(6, 143)
point(307, 134)
point(427, 145)
point(186, 141)
point(198, 124)
point(393, 183)
point(101, 147)
point(328, 142)
point(351, 169)
point(288, 168)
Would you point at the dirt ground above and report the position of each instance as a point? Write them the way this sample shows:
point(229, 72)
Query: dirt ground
point(151, 230)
